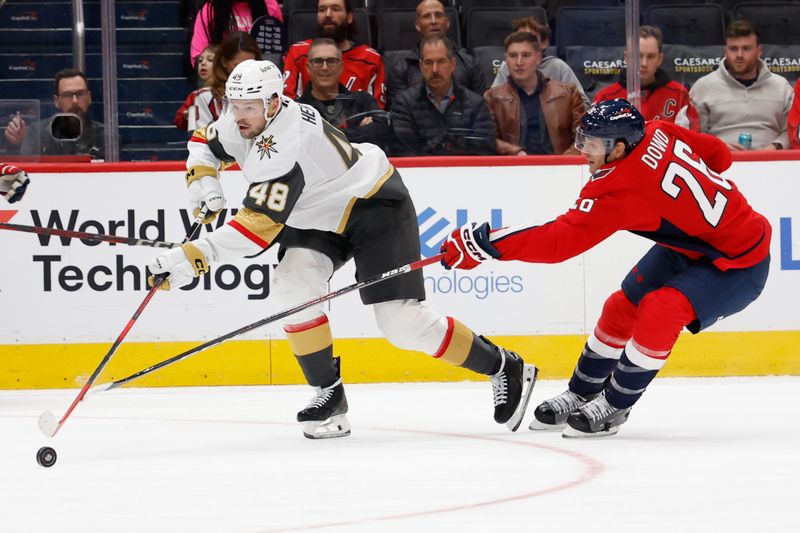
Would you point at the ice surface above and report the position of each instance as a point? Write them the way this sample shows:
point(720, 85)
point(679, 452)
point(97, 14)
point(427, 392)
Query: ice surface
point(696, 455)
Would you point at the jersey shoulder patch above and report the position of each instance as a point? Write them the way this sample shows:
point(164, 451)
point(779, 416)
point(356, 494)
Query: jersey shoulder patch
point(602, 173)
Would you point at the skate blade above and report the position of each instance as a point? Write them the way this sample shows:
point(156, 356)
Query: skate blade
point(536, 425)
point(529, 374)
point(572, 433)
point(335, 426)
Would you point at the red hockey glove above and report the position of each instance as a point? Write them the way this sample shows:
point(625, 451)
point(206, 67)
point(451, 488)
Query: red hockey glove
point(468, 246)
point(13, 182)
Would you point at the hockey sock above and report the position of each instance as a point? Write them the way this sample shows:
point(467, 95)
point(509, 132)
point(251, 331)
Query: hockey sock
point(595, 364)
point(312, 345)
point(604, 346)
point(662, 315)
point(629, 380)
point(462, 347)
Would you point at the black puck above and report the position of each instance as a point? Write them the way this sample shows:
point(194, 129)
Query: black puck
point(46, 456)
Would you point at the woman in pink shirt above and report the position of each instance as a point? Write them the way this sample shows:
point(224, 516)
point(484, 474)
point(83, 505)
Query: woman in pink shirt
point(217, 18)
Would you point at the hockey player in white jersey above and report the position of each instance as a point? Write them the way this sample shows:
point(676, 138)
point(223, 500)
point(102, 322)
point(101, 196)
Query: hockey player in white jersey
point(326, 201)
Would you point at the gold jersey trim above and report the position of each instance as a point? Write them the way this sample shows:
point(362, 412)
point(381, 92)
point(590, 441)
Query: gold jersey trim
point(199, 171)
point(375, 188)
point(259, 224)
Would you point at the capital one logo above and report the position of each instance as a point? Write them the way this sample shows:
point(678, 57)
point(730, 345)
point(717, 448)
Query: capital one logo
point(435, 227)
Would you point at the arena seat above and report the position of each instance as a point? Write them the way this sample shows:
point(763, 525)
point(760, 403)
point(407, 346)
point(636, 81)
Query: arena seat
point(490, 26)
point(777, 22)
point(592, 42)
point(489, 58)
point(688, 24)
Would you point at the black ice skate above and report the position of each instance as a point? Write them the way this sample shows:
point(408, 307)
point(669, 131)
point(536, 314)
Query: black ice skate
point(596, 418)
point(512, 387)
point(553, 413)
point(325, 415)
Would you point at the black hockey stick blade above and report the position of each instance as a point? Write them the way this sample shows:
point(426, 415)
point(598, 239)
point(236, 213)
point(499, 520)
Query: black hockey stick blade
point(272, 318)
point(84, 236)
point(47, 421)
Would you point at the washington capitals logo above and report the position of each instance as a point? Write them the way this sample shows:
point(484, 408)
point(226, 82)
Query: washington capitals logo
point(266, 146)
point(602, 173)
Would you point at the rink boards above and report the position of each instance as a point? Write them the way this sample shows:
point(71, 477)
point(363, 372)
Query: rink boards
point(63, 303)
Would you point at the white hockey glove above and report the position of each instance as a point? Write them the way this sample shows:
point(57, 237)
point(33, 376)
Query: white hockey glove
point(182, 264)
point(205, 188)
point(13, 182)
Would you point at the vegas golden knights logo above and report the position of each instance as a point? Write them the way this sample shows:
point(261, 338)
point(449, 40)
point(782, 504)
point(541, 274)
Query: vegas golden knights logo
point(266, 146)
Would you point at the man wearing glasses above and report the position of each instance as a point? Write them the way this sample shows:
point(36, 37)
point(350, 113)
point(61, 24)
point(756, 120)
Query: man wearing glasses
point(60, 134)
point(356, 113)
point(363, 66)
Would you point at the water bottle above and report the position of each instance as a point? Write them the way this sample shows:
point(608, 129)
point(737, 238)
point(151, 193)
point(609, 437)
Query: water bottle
point(746, 140)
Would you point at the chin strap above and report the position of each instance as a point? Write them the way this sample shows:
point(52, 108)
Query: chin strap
point(266, 110)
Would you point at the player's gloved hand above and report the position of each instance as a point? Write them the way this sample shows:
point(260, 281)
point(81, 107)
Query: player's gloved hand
point(206, 190)
point(468, 246)
point(181, 264)
point(13, 182)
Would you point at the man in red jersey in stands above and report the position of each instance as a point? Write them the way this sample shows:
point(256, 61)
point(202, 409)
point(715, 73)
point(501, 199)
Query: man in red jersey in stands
point(662, 98)
point(710, 260)
point(793, 120)
point(363, 66)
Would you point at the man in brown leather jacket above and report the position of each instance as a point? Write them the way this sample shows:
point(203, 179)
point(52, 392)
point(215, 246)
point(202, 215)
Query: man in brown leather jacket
point(533, 114)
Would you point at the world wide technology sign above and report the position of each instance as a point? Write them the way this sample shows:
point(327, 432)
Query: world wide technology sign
point(85, 292)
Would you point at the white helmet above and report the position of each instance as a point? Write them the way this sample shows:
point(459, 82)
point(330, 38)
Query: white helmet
point(253, 79)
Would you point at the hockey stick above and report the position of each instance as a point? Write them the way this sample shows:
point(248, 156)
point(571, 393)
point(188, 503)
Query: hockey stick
point(47, 421)
point(278, 316)
point(92, 237)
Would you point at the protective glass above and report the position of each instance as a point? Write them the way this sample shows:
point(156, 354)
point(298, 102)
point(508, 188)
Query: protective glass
point(592, 145)
point(244, 108)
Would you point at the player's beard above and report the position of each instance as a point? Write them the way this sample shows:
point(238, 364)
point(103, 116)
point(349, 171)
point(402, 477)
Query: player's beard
point(338, 33)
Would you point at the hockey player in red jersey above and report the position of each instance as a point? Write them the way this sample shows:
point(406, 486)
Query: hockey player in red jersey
point(710, 260)
point(363, 66)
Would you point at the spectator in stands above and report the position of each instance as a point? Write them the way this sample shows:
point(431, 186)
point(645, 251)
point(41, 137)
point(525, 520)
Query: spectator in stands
point(742, 95)
point(532, 113)
point(793, 120)
point(218, 18)
point(439, 116)
point(356, 113)
point(235, 48)
point(405, 72)
point(193, 114)
point(72, 98)
point(363, 66)
point(662, 98)
point(551, 66)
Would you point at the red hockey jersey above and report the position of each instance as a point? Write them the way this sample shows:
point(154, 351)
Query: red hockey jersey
point(363, 71)
point(662, 100)
point(793, 121)
point(668, 190)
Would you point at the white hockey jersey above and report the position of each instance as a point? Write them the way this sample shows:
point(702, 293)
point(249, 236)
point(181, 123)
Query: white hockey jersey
point(303, 171)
